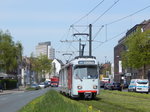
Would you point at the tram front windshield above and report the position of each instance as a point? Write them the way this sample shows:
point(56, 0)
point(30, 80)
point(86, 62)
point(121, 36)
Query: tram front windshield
point(86, 72)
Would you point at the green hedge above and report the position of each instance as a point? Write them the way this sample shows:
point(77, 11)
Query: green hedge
point(8, 83)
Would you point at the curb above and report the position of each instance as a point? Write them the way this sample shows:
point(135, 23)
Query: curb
point(4, 93)
point(10, 92)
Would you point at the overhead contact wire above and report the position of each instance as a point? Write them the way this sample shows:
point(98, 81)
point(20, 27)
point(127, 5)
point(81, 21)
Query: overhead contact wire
point(129, 15)
point(106, 11)
point(88, 12)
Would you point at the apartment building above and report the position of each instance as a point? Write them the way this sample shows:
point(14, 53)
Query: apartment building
point(128, 74)
point(45, 48)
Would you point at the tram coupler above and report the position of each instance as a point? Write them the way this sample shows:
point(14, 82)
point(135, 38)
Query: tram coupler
point(88, 95)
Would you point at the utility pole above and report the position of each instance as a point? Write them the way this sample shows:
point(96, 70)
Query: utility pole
point(81, 51)
point(80, 47)
point(90, 39)
point(105, 59)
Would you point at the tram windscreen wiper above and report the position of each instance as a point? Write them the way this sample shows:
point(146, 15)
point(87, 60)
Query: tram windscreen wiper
point(78, 77)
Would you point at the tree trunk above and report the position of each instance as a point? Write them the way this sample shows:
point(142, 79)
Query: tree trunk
point(144, 72)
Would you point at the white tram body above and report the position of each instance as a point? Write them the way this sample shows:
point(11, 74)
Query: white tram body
point(79, 78)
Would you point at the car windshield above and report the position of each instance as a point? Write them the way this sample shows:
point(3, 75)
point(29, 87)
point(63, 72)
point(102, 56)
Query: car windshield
point(116, 83)
point(86, 72)
point(34, 85)
point(104, 79)
point(42, 83)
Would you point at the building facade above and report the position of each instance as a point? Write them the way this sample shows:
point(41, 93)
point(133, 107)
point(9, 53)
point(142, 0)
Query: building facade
point(106, 71)
point(56, 65)
point(45, 48)
point(51, 53)
point(126, 75)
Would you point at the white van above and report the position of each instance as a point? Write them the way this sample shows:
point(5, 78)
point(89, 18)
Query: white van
point(139, 85)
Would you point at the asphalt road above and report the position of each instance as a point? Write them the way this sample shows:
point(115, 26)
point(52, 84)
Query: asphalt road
point(15, 101)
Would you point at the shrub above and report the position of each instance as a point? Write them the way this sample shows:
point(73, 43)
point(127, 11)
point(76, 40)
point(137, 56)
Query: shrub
point(8, 83)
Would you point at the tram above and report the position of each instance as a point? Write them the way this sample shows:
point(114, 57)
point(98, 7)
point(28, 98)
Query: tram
point(80, 78)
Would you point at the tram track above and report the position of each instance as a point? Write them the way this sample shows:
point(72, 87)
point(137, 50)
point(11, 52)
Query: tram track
point(116, 101)
point(100, 106)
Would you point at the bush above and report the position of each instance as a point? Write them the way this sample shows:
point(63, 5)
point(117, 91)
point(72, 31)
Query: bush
point(8, 83)
point(32, 89)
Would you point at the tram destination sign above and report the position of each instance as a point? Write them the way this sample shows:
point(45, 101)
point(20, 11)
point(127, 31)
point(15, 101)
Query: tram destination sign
point(86, 62)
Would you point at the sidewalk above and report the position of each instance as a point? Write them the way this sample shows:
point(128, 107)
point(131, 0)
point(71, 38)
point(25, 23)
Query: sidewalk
point(20, 90)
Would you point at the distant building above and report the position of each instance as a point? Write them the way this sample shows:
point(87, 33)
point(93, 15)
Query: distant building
point(27, 75)
point(128, 74)
point(57, 65)
point(45, 48)
point(105, 70)
point(7, 76)
point(51, 53)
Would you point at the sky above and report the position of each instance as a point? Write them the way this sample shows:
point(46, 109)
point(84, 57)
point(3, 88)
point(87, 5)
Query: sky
point(34, 21)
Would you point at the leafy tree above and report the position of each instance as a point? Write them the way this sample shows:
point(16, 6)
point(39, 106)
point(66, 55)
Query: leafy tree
point(34, 64)
point(105, 69)
point(10, 52)
point(137, 54)
point(19, 51)
point(41, 65)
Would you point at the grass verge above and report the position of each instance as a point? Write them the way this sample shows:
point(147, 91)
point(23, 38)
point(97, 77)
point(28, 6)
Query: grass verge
point(116, 101)
point(52, 101)
point(30, 89)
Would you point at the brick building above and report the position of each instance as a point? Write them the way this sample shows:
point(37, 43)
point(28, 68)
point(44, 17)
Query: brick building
point(128, 74)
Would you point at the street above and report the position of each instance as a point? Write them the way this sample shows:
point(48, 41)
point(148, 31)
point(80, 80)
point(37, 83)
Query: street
point(15, 101)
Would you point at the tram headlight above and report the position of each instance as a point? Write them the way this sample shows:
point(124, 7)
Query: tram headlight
point(95, 87)
point(79, 87)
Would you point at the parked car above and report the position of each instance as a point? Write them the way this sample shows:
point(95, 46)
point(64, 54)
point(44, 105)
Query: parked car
point(149, 88)
point(139, 85)
point(103, 81)
point(106, 85)
point(1, 88)
point(113, 86)
point(125, 85)
point(35, 86)
point(42, 85)
point(48, 83)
